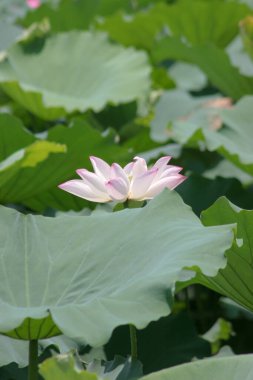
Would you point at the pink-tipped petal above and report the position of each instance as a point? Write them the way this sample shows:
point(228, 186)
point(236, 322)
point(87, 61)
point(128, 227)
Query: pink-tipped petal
point(92, 180)
point(80, 189)
point(170, 170)
point(118, 172)
point(175, 181)
point(134, 181)
point(117, 189)
point(101, 168)
point(128, 168)
point(140, 185)
point(33, 3)
point(139, 167)
point(162, 162)
point(169, 182)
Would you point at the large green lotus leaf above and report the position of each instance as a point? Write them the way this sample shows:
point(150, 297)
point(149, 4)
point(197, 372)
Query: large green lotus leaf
point(233, 368)
point(38, 191)
point(83, 276)
point(235, 280)
point(189, 20)
point(212, 60)
point(81, 71)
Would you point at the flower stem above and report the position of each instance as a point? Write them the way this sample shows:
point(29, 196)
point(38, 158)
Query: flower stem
point(133, 340)
point(132, 329)
point(33, 360)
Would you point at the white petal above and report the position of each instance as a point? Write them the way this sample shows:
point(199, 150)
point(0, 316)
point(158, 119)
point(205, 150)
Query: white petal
point(95, 182)
point(118, 172)
point(169, 182)
point(80, 189)
point(117, 189)
point(166, 171)
point(139, 167)
point(162, 162)
point(175, 180)
point(140, 185)
point(101, 168)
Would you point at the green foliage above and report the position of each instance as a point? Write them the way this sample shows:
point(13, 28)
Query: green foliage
point(212, 60)
point(181, 85)
point(190, 20)
point(175, 337)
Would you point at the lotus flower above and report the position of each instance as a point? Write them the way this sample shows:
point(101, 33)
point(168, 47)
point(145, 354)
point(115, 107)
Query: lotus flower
point(114, 183)
point(33, 3)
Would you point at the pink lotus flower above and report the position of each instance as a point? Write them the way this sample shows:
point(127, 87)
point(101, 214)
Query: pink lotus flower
point(33, 3)
point(134, 181)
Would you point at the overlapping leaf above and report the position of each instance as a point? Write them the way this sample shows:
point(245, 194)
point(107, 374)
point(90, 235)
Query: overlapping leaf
point(102, 270)
point(81, 70)
point(179, 115)
point(233, 368)
point(235, 280)
point(197, 122)
point(66, 367)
